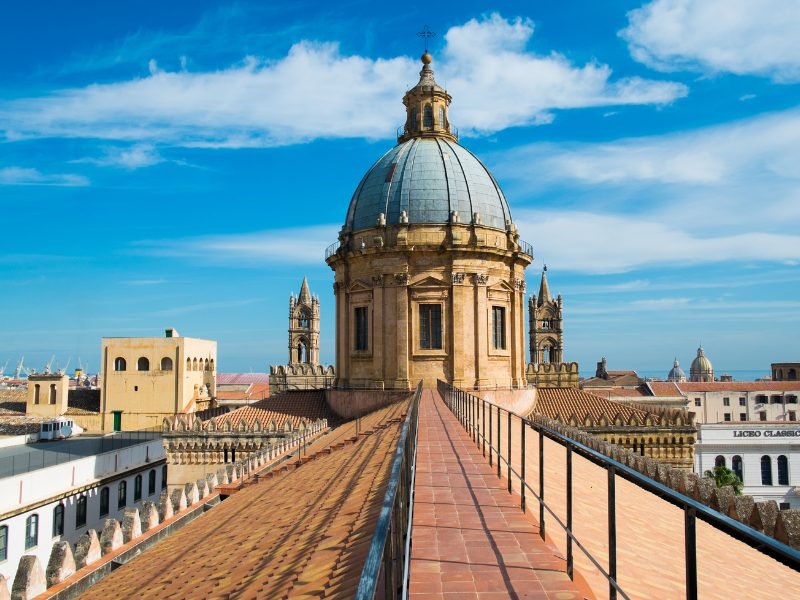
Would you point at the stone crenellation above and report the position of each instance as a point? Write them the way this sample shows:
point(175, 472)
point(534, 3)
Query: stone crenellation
point(32, 579)
point(783, 525)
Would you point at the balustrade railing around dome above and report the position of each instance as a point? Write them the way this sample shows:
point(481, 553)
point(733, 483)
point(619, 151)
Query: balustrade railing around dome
point(524, 248)
point(403, 131)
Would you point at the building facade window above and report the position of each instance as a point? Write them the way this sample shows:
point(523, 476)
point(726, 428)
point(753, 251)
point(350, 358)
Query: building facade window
point(742, 401)
point(697, 401)
point(743, 416)
point(430, 326)
point(36, 392)
point(122, 494)
point(137, 488)
point(499, 327)
point(783, 470)
point(736, 467)
point(31, 531)
point(143, 364)
point(52, 393)
point(362, 329)
point(766, 470)
point(58, 520)
point(727, 416)
point(80, 511)
point(166, 364)
point(3, 542)
point(792, 415)
point(120, 364)
point(719, 461)
point(151, 482)
point(104, 503)
point(762, 416)
point(164, 477)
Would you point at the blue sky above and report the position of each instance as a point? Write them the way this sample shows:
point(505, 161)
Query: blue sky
point(185, 164)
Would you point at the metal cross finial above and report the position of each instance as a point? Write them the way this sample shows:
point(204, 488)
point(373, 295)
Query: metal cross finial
point(426, 34)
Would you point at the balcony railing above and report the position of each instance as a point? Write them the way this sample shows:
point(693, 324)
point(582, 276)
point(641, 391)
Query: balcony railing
point(526, 248)
point(332, 249)
point(473, 411)
point(389, 556)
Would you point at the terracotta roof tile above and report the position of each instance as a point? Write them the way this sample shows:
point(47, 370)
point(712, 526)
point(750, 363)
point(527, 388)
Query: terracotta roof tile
point(739, 386)
point(294, 407)
point(563, 403)
point(664, 388)
point(302, 533)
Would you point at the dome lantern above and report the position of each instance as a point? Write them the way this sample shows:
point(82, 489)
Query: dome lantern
point(427, 105)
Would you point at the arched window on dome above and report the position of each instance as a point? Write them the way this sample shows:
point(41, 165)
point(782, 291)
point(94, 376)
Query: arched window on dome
point(441, 117)
point(414, 125)
point(427, 120)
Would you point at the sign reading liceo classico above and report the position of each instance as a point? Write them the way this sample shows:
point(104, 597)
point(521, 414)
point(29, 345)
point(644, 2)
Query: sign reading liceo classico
point(767, 433)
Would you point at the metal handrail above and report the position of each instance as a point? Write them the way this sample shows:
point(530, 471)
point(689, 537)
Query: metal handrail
point(526, 248)
point(467, 409)
point(332, 249)
point(389, 554)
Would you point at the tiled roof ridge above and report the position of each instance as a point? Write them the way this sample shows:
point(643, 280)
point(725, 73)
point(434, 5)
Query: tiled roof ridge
point(765, 516)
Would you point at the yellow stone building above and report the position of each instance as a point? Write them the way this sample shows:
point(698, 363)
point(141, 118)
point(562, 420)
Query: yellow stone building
point(429, 267)
point(144, 379)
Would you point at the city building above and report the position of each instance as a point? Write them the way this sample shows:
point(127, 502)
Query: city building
point(676, 373)
point(56, 491)
point(785, 371)
point(720, 401)
point(144, 379)
point(764, 455)
point(429, 267)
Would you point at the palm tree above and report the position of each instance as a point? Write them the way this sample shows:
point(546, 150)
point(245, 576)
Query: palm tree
point(724, 476)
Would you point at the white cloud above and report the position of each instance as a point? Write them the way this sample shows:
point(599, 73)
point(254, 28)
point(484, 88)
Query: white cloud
point(745, 37)
point(599, 243)
point(28, 176)
point(132, 157)
point(280, 246)
point(767, 144)
point(316, 92)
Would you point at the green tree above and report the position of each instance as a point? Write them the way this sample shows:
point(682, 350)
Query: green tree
point(724, 476)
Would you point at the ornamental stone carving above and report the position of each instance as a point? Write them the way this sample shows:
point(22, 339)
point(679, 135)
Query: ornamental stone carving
point(481, 279)
point(401, 278)
point(519, 284)
point(457, 277)
point(377, 279)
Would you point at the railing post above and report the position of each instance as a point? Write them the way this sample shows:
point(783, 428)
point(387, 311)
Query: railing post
point(499, 443)
point(490, 435)
point(509, 452)
point(612, 532)
point(541, 484)
point(483, 427)
point(690, 542)
point(569, 512)
point(522, 464)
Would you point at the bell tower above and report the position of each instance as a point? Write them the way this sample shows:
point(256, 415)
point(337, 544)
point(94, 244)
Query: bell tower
point(304, 327)
point(545, 321)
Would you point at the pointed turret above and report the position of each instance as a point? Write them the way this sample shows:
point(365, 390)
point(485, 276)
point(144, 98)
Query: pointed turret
point(544, 289)
point(305, 293)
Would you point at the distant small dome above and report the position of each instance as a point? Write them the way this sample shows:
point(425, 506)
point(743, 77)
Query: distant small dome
point(701, 369)
point(676, 373)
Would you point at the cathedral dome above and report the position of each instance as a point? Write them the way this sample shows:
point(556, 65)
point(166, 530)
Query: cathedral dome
point(701, 369)
point(676, 373)
point(428, 178)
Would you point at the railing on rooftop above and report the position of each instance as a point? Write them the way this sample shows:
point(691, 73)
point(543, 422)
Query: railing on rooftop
point(332, 249)
point(42, 454)
point(472, 412)
point(389, 556)
point(526, 248)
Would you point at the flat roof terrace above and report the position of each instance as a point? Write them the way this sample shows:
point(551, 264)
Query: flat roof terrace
point(25, 458)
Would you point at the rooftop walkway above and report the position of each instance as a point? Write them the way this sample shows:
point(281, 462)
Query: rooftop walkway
point(470, 538)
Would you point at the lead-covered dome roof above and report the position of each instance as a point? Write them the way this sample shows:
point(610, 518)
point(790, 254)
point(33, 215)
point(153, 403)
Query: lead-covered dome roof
point(428, 178)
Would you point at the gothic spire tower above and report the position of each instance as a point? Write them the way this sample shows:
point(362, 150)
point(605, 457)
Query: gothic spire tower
point(545, 324)
point(304, 327)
